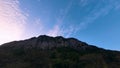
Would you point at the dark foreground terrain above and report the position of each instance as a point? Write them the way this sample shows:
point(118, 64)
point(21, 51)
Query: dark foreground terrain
point(56, 52)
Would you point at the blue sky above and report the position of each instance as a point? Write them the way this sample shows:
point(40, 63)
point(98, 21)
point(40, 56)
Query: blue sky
point(93, 21)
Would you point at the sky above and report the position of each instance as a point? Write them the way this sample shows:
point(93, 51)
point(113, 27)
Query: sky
point(96, 22)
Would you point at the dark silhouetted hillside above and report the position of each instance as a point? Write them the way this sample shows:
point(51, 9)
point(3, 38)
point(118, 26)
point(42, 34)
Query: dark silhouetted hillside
point(56, 52)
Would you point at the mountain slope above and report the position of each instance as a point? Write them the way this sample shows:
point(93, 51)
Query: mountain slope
point(56, 52)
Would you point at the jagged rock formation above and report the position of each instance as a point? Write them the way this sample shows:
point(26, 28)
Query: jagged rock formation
point(56, 52)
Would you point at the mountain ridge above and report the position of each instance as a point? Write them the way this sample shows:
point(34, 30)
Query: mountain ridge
point(49, 42)
point(45, 41)
point(56, 52)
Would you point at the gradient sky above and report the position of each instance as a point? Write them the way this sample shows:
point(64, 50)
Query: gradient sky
point(96, 22)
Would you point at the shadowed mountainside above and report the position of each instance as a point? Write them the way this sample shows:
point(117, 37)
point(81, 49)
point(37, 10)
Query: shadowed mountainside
point(56, 52)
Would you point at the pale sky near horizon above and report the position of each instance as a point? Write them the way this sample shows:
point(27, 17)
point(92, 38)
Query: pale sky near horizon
point(96, 22)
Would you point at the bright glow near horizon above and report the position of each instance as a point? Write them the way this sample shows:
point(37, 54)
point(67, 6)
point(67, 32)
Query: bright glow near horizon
point(11, 21)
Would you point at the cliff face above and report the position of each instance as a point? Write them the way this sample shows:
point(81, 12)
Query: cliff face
point(56, 52)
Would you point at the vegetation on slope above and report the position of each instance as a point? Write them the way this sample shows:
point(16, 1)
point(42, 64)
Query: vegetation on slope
point(62, 57)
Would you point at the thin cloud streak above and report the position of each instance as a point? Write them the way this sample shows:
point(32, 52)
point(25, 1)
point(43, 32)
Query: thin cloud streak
point(12, 21)
point(83, 3)
point(95, 14)
point(89, 19)
point(71, 30)
point(38, 27)
point(57, 29)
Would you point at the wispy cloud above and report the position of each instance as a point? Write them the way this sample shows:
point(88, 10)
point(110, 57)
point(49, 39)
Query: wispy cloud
point(12, 21)
point(116, 4)
point(57, 29)
point(83, 3)
point(93, 15)
point(37, 27)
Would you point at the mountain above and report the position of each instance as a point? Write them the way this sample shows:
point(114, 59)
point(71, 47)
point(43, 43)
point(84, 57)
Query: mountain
point(56, 52)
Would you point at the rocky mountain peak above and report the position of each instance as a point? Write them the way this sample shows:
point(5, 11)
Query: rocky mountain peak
point(46, 42)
